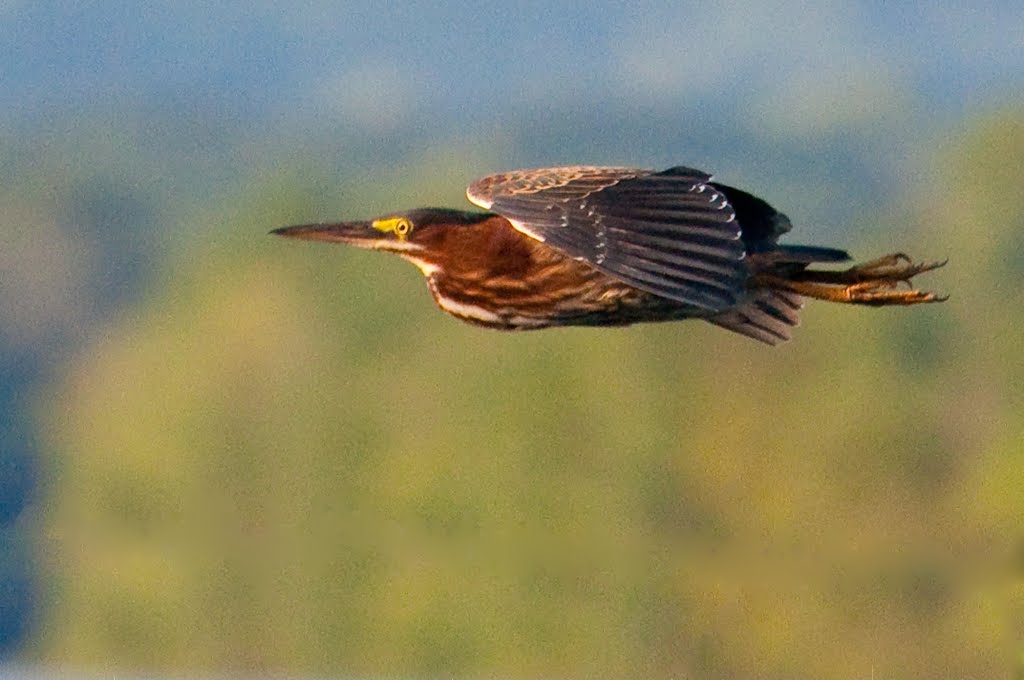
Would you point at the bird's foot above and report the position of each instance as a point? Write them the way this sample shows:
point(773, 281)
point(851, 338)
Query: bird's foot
point(897, 267)
point(884, 291)
point(875, 283)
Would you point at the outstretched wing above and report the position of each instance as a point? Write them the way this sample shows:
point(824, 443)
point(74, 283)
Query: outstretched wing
point(671, 233)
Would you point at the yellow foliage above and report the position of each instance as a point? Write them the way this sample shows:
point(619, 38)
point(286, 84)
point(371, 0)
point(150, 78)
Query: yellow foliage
point(287, 461)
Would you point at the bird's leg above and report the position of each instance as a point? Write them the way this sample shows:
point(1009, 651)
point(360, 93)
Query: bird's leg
point(872, 283)
point(896, 267)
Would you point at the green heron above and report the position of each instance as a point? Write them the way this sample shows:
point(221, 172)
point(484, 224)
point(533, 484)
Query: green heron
point(611, 246)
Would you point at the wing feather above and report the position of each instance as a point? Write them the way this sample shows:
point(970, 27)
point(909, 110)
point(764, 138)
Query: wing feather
point(671, 233)
point(724, 269)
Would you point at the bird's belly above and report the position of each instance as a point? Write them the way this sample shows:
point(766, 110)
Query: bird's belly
point(521, 304)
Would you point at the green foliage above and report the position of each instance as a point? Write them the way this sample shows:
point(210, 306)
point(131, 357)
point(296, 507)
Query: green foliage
point(287, 460)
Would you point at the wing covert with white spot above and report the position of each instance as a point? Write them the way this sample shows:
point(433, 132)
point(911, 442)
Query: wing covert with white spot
point(671, 233)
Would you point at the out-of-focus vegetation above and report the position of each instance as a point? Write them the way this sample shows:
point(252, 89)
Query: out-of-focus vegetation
point(284, 458)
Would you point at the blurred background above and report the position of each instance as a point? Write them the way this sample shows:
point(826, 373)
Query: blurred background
point(225, 453)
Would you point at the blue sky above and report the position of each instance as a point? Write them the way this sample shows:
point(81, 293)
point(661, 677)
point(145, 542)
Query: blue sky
point(382, 69)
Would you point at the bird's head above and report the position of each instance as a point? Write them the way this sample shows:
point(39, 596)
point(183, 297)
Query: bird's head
point(421, 235)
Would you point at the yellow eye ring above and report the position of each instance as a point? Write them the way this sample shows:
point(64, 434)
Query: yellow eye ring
point(403, 227)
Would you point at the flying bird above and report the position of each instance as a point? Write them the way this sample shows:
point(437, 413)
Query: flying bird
point(612, 246)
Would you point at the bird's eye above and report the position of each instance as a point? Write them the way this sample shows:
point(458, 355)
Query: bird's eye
point(403, 227)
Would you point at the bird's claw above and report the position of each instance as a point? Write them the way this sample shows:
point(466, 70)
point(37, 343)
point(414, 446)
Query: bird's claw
point(894, 267)
point(881, 291)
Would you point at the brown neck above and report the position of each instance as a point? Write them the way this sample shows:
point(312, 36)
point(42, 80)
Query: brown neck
point(489, 248)
point(494, 275)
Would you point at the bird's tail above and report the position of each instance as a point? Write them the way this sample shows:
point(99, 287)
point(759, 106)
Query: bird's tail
point(808, 254)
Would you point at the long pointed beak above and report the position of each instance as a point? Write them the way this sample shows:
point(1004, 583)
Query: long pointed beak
point(354, 233)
